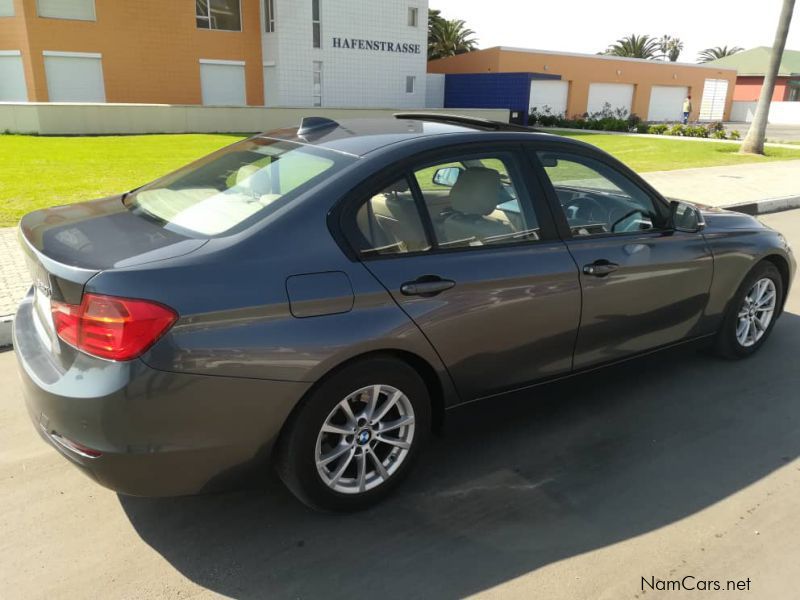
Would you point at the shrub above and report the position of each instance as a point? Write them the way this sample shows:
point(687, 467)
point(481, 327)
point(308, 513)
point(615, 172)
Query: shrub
point(735, 135)
point(677, 129)
point(657, 129)
point(643, 128)
point(719, 135)
point(714, 127)
point(695, 131)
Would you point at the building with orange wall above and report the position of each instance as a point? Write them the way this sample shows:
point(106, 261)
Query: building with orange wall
point(217, 52)
point(654, 90)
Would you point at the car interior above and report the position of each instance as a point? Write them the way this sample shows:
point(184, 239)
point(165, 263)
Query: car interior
point(469, 205)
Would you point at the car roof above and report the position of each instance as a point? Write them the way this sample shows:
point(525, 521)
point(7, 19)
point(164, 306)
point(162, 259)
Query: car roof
point(359, 137)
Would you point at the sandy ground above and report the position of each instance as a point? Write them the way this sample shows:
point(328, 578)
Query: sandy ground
point(671, 466)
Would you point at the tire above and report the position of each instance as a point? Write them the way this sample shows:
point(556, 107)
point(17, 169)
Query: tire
point(303, 442)
point(728, 344)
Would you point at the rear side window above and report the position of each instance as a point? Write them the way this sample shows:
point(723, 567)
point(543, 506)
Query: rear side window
point(390, 223)
point(219, 192)
point(476, 201)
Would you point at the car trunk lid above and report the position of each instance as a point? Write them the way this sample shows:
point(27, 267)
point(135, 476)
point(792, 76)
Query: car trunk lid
point(66, 246)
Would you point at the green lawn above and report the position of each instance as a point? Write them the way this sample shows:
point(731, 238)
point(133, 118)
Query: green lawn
point(651, 154)
point(43, 171)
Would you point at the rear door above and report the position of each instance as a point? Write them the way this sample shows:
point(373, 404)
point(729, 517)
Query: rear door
point(644, 285)
point(464, 244)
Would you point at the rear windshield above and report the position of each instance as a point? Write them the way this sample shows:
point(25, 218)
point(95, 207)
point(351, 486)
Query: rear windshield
point(219, 192)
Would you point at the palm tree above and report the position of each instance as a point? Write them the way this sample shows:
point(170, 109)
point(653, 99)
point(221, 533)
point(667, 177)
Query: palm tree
point(674, 49)
point(450, 37)
point(710, 54)
point(435, 19)
point(754, 140)
point(635, 46)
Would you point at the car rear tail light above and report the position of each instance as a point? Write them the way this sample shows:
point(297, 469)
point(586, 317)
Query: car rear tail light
point(111, 327)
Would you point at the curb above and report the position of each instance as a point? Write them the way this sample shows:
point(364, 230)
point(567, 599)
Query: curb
point(5, 332)
point(763, 207)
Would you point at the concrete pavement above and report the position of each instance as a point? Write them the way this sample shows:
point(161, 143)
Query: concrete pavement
point(775, 133)
point(674, 465)
point(731, 185)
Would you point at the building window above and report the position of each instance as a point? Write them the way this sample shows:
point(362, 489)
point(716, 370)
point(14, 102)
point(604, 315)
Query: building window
point(316, 88)
point(223, 15)
point(269, 16)
point(315, 24)
point(410, 81)
point(794, 92)
point(6, 8)
point(413, 14)
point(79, 10)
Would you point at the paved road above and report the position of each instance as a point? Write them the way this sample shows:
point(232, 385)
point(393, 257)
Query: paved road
point(678, 464)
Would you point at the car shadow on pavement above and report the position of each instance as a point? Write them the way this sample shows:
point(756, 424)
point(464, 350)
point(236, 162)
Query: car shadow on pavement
point(513, 485)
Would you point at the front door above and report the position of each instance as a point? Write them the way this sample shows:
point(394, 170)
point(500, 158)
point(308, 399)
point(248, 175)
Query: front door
point(465, 252)
point(643, 285)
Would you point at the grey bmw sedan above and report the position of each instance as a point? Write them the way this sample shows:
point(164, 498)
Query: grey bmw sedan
point(316, 299)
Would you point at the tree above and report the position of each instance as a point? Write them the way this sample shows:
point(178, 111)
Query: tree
point(675, 49)
point(670, 48)
point(449, 37)
point(435, 19)
point(754, 140)
point(710, 54)
point(635, 46)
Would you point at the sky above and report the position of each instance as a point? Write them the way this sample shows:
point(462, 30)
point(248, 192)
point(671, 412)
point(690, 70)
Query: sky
point(590, 26)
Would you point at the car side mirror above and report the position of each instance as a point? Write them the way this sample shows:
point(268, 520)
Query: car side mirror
point(685, 217)
point(446, 176)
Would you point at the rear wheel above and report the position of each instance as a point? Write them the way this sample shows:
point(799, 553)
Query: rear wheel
point(752, 313)
point(356, 435)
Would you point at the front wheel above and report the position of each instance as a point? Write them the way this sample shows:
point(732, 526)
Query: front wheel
point(752, 313)
point(356, 435)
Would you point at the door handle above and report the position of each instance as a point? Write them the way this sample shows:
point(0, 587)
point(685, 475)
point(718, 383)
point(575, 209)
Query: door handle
point(600, 268)
point(426, 286)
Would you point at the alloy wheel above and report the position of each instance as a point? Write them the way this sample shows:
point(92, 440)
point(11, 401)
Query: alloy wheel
point(756, 312)
point(364, 439)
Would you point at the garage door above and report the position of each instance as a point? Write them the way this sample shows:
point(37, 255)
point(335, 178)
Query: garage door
point(618, 95)
point(552, 94)
point(12, 77)
point(74, 77)
point(666, 102)
point(712, 106)
point(222, 82)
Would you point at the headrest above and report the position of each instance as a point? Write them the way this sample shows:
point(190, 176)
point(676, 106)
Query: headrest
point(476, 191)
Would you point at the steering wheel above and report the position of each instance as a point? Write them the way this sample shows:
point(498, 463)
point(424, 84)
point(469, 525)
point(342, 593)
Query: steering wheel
point(630, 213)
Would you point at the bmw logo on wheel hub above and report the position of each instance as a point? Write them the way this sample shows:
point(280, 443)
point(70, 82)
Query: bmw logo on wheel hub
point(363, 436)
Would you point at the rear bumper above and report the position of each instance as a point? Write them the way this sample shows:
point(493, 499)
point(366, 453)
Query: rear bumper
point(160, 433)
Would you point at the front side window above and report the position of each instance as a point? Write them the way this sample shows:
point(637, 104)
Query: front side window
point(315, 24)
point(390, 223)
point(224, 15)
point(217, 193)
point(269, 16)
point(596, 199)
point(476, 202)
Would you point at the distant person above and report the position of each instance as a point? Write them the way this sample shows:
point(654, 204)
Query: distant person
point(687, 108)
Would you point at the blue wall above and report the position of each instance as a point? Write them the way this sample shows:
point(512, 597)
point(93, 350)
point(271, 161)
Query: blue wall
point(491, 90)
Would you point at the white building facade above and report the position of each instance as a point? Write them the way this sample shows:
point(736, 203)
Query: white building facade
point(345, 53)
